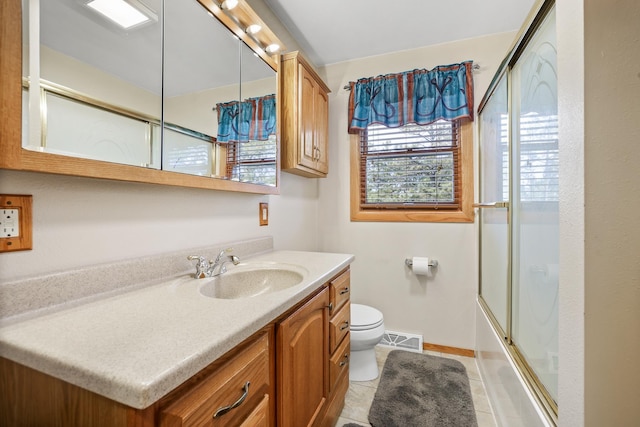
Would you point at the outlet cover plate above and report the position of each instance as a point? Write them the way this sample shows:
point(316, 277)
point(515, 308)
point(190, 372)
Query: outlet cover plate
point(17, 221)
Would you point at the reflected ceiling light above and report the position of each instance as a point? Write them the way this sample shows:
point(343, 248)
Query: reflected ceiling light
point(125, 13)
point(253, 29)
point(228, 4)
point(272, 48)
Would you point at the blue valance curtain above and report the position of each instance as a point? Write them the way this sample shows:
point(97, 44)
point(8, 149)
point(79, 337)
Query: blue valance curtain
point(251, 119)
point(418, 96)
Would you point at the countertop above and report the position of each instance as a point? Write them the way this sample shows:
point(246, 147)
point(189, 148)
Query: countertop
point(137, 346)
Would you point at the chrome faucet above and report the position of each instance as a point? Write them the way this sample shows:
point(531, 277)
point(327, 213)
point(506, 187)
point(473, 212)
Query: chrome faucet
point(220, 262)
point(206, 268)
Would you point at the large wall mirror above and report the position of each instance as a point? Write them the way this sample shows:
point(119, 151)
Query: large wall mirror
point(184, 97)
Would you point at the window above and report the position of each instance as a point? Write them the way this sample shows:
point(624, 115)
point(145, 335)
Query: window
point(413, 173)
point(539, 160)
point(252, 161)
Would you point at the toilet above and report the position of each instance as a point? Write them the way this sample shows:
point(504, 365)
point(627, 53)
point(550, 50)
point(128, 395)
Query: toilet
point(367, 330)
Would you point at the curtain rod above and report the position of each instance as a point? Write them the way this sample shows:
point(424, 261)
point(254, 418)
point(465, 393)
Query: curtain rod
point(475, 67)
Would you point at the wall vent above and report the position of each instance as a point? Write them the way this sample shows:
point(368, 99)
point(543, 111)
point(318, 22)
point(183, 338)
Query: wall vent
point(402, 340)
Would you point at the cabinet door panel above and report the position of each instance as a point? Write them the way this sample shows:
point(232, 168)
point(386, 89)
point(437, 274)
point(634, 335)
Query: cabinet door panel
point(307, 119)
point(303, 363)
point(321, 103)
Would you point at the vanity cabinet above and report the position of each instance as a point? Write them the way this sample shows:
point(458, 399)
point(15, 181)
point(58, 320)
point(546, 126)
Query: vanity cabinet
point(291, 373)
point(339, 338)
point(305, 118)
point(303, 363)
point(312, 361)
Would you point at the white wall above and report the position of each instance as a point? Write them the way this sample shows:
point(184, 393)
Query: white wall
point(442, 308)
point(600, 309)
point(82, 221)
point(571, 91)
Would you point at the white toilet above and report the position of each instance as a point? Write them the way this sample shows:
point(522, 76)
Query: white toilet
point(367, 330)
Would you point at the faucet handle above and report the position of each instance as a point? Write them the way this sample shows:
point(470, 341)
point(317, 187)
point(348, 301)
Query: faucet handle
point(201, 266)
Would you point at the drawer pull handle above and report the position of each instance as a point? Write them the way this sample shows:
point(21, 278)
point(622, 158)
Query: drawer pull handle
point(344, 291)
point(345, 360)
point(345, 326)
point(220, 412)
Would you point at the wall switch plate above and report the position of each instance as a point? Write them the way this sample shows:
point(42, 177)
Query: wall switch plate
point(264, 214)
point(15, 223)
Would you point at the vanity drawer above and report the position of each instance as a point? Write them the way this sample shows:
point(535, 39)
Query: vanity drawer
point(340, 291)
point(260, 416)
point(243, 381)
point(339, 362)
point(339, 327)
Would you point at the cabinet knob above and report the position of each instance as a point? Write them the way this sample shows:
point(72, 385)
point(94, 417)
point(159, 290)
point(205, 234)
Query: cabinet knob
point(221, 411)
point(330, 306)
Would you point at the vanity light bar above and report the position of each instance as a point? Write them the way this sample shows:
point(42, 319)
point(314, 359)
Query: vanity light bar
point(125, 13)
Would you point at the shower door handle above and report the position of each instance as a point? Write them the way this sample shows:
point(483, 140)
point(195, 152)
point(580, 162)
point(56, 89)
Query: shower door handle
point(491, 205)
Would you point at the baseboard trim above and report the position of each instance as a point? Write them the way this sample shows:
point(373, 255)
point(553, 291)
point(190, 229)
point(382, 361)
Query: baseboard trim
point(449, 350)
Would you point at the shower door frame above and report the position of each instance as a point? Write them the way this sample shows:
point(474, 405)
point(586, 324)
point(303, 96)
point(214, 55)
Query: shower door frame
point(536, 17)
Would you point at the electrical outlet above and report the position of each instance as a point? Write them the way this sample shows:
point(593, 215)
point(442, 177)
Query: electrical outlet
point(15, 223)
point(9, 223)
point(264, 213)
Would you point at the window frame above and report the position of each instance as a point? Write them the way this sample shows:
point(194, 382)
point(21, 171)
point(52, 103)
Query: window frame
point(464, 213)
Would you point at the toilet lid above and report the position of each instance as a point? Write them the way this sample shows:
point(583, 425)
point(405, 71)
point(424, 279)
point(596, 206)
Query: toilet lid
point(365, 317)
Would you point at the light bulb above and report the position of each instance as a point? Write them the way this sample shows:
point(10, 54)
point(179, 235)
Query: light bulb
point(253, 29)
point(273, 48)
point(229, 4)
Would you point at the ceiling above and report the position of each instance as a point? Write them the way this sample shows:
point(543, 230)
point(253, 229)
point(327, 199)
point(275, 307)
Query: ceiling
point(332, 31)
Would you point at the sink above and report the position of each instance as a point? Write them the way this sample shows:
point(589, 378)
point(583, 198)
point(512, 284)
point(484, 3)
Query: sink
point(245, 281)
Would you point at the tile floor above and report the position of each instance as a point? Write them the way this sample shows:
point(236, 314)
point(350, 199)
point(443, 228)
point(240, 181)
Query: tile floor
point(360, 394)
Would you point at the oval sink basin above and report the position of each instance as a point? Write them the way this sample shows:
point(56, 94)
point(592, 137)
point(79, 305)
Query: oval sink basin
point(250, 282)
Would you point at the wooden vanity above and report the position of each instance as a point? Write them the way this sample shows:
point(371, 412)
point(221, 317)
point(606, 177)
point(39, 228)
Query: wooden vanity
point(292, 372)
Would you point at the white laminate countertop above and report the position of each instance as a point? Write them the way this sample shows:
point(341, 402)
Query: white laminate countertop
point(136, 347)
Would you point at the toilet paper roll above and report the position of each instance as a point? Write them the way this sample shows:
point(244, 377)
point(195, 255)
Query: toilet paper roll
point(420, 265)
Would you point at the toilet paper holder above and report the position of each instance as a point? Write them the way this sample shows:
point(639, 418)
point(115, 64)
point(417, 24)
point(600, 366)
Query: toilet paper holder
point(432, 262)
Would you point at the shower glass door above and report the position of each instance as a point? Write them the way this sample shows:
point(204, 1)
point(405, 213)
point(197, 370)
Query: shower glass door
point(494, 194)
point(519, 201)
point(535, 206)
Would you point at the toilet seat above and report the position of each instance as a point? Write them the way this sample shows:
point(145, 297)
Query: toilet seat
point(364, 317)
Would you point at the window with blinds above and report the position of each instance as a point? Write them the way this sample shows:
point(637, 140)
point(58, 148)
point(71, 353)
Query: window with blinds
point(253, 161)
point(410, 167)
point(539, 158)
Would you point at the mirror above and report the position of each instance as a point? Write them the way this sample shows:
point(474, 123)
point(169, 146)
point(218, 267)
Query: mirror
point(94, 89)
point(95, 96)
point(202, 68)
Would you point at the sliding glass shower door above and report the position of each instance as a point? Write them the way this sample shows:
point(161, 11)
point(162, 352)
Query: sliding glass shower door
point(494, 197)
point(519, 248)
point(535, 206)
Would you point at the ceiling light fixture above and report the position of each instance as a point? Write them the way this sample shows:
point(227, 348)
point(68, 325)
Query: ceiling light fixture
point(228, 4)
point(253, 29)
point(125, 13)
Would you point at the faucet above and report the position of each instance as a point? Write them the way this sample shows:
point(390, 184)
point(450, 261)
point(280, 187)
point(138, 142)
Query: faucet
point(206, 268)
point(220, 262)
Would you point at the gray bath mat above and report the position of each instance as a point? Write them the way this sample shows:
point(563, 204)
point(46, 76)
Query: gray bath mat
point(352, 425)
point(419, 390)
